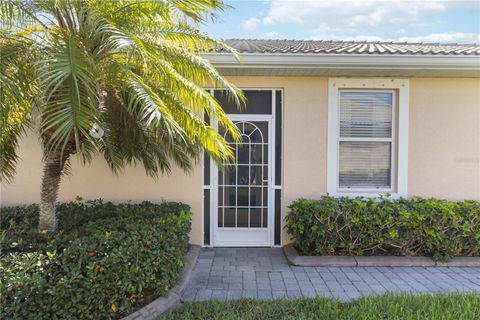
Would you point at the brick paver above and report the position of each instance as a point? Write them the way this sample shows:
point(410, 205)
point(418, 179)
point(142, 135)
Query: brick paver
point(263, 273)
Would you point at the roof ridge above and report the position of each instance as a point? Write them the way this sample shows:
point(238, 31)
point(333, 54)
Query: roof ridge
point(421, 43)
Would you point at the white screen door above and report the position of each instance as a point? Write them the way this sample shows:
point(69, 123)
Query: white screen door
point(242, 203)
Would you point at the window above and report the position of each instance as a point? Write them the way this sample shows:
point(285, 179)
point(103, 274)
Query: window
point(367, 137)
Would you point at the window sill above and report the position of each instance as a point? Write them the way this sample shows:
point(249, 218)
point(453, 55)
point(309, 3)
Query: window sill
point(365, 194)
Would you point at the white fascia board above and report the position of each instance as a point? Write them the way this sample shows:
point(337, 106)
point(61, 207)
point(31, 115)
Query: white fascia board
point(285, 60)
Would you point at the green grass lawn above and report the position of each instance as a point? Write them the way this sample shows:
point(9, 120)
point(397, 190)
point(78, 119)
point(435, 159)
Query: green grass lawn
point(401, 307)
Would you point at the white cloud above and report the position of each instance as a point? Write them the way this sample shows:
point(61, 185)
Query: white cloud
point(447, 37)
point(334, 36)
point(353, 14)
point(451, 37)
point(363, 38)
point(359, 20)
point(267, 21)
point(271, 34)
point(251, 24)
point(347, 17)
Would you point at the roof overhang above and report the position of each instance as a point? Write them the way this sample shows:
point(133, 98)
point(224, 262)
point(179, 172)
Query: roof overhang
point(297, 64)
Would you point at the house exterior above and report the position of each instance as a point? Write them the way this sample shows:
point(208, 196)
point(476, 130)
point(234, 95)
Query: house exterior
point(345, 118)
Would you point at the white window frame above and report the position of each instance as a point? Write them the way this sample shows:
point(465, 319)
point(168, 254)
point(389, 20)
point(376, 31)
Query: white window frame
point(399, 154)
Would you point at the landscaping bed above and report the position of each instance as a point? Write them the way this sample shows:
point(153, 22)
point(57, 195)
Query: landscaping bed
point(104, 262)
point(460, 306)
point(414, 227)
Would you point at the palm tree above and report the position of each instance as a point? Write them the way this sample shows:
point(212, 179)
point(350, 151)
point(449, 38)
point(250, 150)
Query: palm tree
point(124, 79)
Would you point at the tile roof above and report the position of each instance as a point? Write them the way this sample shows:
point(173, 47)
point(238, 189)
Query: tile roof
point(350, 47)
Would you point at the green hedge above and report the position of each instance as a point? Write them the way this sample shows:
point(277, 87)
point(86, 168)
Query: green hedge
point(105, 261)
point(357, 226)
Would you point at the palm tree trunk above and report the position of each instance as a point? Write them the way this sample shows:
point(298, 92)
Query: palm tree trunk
point(52, 174)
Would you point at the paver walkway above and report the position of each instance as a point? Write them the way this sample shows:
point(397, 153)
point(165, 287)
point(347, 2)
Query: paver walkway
point(263, 273)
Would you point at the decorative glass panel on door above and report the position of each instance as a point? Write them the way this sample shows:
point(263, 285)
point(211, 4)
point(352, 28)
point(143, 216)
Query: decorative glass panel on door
point(243, 183)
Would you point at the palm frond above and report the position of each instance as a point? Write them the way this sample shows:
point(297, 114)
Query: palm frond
point(68, 79)
point(17, 90)
point(132, 68)
point(131, 141)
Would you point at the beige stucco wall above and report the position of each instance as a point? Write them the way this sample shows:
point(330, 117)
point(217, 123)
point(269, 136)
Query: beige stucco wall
point(444, 143)
point(444, 151)
point(96, 181)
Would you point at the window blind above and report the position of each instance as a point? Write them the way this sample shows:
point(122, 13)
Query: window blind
point(364, 164)
point(366, 139)
point(366, 114)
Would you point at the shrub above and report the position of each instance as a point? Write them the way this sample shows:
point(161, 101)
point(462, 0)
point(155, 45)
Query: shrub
point(99, 269)
point(358, 226)
point(18, 229)
point(21, 218)
point(18, 225)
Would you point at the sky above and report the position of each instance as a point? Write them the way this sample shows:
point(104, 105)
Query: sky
point(445, 21)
